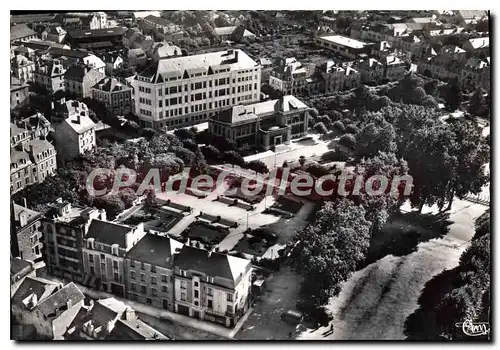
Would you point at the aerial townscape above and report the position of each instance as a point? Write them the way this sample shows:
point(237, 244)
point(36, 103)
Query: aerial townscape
point(250, 175)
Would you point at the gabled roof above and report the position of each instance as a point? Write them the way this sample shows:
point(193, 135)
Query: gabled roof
point(479, 43)
point(37, 286)
point(80, 122)
point(30, 214)
point(65, 298)
point(97, 33)
point(108, 232)
point(19, 268)
point(56, 30)
point(472, 14)
point(78, 73)
point(155, 250)
point(213, 264)
point(20, 31)
point(40, 146)
point(109, 84)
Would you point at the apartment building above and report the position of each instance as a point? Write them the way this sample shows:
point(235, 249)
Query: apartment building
point(394, 68)
point(22, 68)
point(339, 77)
point(64, 227)
point(79, 80)
point(371, 70)
point(31, 162)
point(263, 124)
point(105, 246)
point(158, 25)
point(116, 96)
point(29, 238)
point(19, 93)
point(211, 286)
point(49, 73)
point(37, 125)
point(21, 32)
point(75, 135)
point(288, 76)
point(149, 269)
point(188, 90)
point(344, 46)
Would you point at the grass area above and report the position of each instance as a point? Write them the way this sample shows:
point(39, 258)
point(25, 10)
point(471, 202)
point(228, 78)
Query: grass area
point(252, 245)
point(154, 219)
point(207, 234)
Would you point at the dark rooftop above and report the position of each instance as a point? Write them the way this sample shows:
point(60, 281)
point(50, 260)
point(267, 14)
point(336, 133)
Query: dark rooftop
point(108, 232)
point(96, 33)
point(154, 250)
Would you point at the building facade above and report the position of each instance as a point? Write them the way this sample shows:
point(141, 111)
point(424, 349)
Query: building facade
point(28, 233)
point(116, 96)
point(23, 69)
point(288, 76)
point(211, 286)
point(344, 46)
point(188, 90)
point(263, 124)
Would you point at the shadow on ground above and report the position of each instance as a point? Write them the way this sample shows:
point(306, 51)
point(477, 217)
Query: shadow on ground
point(402, 234)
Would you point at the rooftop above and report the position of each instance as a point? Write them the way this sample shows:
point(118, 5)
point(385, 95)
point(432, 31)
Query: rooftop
point(33, 286)
point(97, 33)
point(60, 301)
point(479, 43)
point(20, 31)
point(108, 232)
point(213, 264)
point(345, 41)
point(31, 214)
point(111, 85)
point(80, 122)
point(19, 267)
point(78, 73)
point(176, 67)
point(155, 250)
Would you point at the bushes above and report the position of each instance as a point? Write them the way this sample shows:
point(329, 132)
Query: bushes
point(257, 166)
point(233, 157)
point(352, 129)
point(339, 126)
point(320, 128)
point(348, 140)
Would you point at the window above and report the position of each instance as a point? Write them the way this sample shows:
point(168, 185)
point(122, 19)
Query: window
point(142, 266)
point(229, 297)
point(115, 264)
point(149, 301)
point(210, 83)
point(160, 103)
point(173, 101)
point(143, 289)
point(210, 304)
point(183, 296)
point(160, 92)
point(154, 292)
point(229, 309)
point(164, 278)
point(196, 283)
point(92, 270)
point(196, 303)
point(173, 89)
point(102, 257)
point(210, 292)
point(153, 269)
point(116, 277)
point(196, 294)
point(91, 257)
point(183, 285)
point(164, 289)
point(153, 280)
point(132, 275)
point(143, 278)
point(132, 286)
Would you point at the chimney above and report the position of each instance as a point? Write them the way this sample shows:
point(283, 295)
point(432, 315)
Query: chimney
point(25, 204)
point(236, 55)
point(23, 218)
point(102, 213)
point(109, 326)
point(209, 253)
point(33, 301)
point(130, 315)
point(188, 242)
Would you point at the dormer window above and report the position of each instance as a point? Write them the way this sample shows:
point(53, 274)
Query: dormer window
point(90, 243)
point(114, 249)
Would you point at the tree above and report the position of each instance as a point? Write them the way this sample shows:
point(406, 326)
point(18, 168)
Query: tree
point(329, 251)
point(374, 137)
point(320, 128)
point(211, 153)
point(184, 134)
point(339, 126)
point(478, 105)
point(257, 166)
point(233, 157)
point(348, 140)
point(316, 169)
point(352, 129)
point(453, 96)
point(431, 87)
point(111, 203)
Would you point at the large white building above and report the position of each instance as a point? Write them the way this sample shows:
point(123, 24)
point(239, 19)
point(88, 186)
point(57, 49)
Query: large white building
point(187, 90)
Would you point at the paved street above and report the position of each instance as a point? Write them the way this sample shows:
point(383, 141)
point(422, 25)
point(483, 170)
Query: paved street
point(375, 301)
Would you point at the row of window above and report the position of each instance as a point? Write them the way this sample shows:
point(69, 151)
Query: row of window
point(146, 112)
point(144, 89)
point(164, 278)
point(143, 289)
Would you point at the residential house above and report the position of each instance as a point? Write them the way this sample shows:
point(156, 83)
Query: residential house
point(478, 46)
point(105, 247)
point(64, 227)
point(137, 57)
point(37, 125)
point(344, 46)
point(394, 68)
point(97, 39)
point(158, 25)
point(149, 267)
point(19, 270)
point(75, 135)
point(110, 319)
point(32, 18)
point(187, 90)
point(22, 69)
point(469, 17)
point(31, 162)
point(114, 61)
point(54, 33)
point(43, 45)
point(28, 233)
point(19, 93)
point(233, 33)
point(22, 33)
point(472, 72)
point(116, 96)
point(79, 80)
point(211, 286)
point(371, 70)
point(263, 124)
point(19, 135)
point(46, 306)
point(49, 73)
point(288, 76)
point(338, 78)
point(163, 50)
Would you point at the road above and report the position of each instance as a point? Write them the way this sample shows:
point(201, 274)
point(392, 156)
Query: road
point(375, 301)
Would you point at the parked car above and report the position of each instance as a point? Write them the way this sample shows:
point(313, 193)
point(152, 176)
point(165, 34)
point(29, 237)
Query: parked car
point(293, 317)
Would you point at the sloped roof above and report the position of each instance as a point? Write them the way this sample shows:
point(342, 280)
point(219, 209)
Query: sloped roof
point(479, 43)
point(40, 287)
point(31, 214)
point(20, 31)
point(108, 232)
point(109, 84)
point(97, 33)
point(54, 305)
point(80, 122)
point(18, 265)
point(214, 264)
point(155, 250)
point(472, 14)
point(40, 146)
